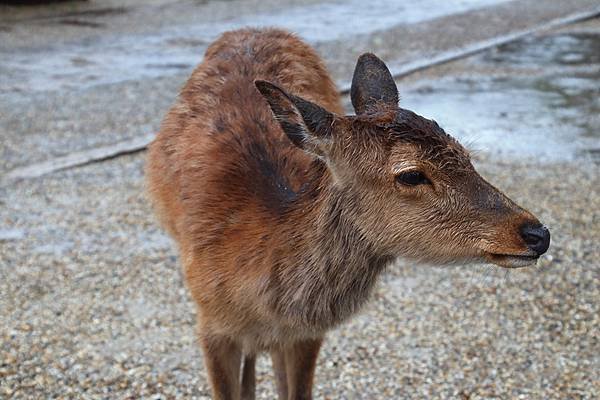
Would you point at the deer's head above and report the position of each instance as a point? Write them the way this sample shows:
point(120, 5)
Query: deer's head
point(411, 188)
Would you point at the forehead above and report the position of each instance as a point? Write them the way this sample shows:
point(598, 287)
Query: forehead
point(426, 138)
point(403, 133)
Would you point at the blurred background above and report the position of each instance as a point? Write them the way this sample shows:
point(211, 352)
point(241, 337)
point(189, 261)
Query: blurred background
point(92, 304)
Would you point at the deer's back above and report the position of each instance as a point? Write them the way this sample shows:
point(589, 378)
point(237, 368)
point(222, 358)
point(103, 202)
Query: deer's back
point(221, 169)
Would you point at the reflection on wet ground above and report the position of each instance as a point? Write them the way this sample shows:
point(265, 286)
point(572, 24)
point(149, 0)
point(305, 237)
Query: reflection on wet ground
point(562, 49)
point(544, 104)
point(115, 59)
point(548, 116)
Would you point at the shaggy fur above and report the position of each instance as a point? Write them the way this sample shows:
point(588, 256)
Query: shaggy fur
point(284, 223)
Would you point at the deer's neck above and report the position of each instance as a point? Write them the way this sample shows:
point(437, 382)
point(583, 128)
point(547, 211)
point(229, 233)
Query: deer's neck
point(334, 267)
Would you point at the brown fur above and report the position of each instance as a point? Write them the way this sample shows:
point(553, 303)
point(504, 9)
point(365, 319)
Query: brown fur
point(279, 245)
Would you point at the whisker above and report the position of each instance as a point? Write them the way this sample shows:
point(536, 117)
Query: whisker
point(506, 277)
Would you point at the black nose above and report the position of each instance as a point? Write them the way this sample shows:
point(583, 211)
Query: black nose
point(536, 236)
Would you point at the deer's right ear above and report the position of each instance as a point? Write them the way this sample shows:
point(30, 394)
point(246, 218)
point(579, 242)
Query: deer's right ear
point(372, 84)
point(306, 124)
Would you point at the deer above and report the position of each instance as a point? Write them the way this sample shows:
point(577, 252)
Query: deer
point(285, 210)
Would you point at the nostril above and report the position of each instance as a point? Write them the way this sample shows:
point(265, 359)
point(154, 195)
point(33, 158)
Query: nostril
point(536, 236)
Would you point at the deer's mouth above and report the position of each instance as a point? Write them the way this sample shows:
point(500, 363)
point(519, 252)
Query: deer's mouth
point(511, 260)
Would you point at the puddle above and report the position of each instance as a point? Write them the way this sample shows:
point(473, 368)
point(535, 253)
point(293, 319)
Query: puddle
point(117, 58)
point(543, 118)
point(100, 12)
point(79, 22)
point(11, 234)
point(560, 50)
point(57, 249)
point(50, 11)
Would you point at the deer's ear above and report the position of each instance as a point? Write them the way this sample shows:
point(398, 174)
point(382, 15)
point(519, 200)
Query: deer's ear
point(372, 84)
point(306, 124)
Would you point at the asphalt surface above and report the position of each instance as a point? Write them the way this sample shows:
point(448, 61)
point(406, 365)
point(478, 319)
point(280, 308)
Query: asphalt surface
point(92, 300)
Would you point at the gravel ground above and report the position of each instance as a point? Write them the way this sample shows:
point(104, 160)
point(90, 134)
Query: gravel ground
point(92, 302)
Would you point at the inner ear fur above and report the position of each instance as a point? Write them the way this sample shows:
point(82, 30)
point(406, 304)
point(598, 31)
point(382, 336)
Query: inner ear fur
point(305, 123)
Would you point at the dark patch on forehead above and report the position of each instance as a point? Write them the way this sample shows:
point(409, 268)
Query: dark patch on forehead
point(435, 143)
point(410, 127)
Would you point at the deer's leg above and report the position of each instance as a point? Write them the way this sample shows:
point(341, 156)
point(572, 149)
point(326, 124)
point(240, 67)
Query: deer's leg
point(249, 378)
point(278, 359)
point(300, 361)
point(222, 358)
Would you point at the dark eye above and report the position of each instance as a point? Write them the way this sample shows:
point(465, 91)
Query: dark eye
point(412, 178)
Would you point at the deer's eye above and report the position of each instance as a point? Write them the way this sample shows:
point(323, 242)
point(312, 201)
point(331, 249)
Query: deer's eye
point(412, 178)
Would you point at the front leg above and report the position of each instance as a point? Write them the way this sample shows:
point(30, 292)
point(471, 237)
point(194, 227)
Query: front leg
point(249, 378)
point(300, 363)
point(222, 358)
point(278, 359)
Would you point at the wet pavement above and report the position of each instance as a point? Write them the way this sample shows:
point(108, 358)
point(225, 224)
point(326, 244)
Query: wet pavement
point(72, 87)
point(114, 58)
point(542, 102)
point(173, 49)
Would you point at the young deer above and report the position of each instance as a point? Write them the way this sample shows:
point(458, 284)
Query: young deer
point(284, 223)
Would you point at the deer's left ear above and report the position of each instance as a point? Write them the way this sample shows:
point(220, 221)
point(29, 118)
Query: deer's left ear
point(306, 124)
point(372, 84)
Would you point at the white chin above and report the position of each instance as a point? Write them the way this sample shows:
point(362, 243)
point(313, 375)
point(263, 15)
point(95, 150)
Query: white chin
point(509, 261)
